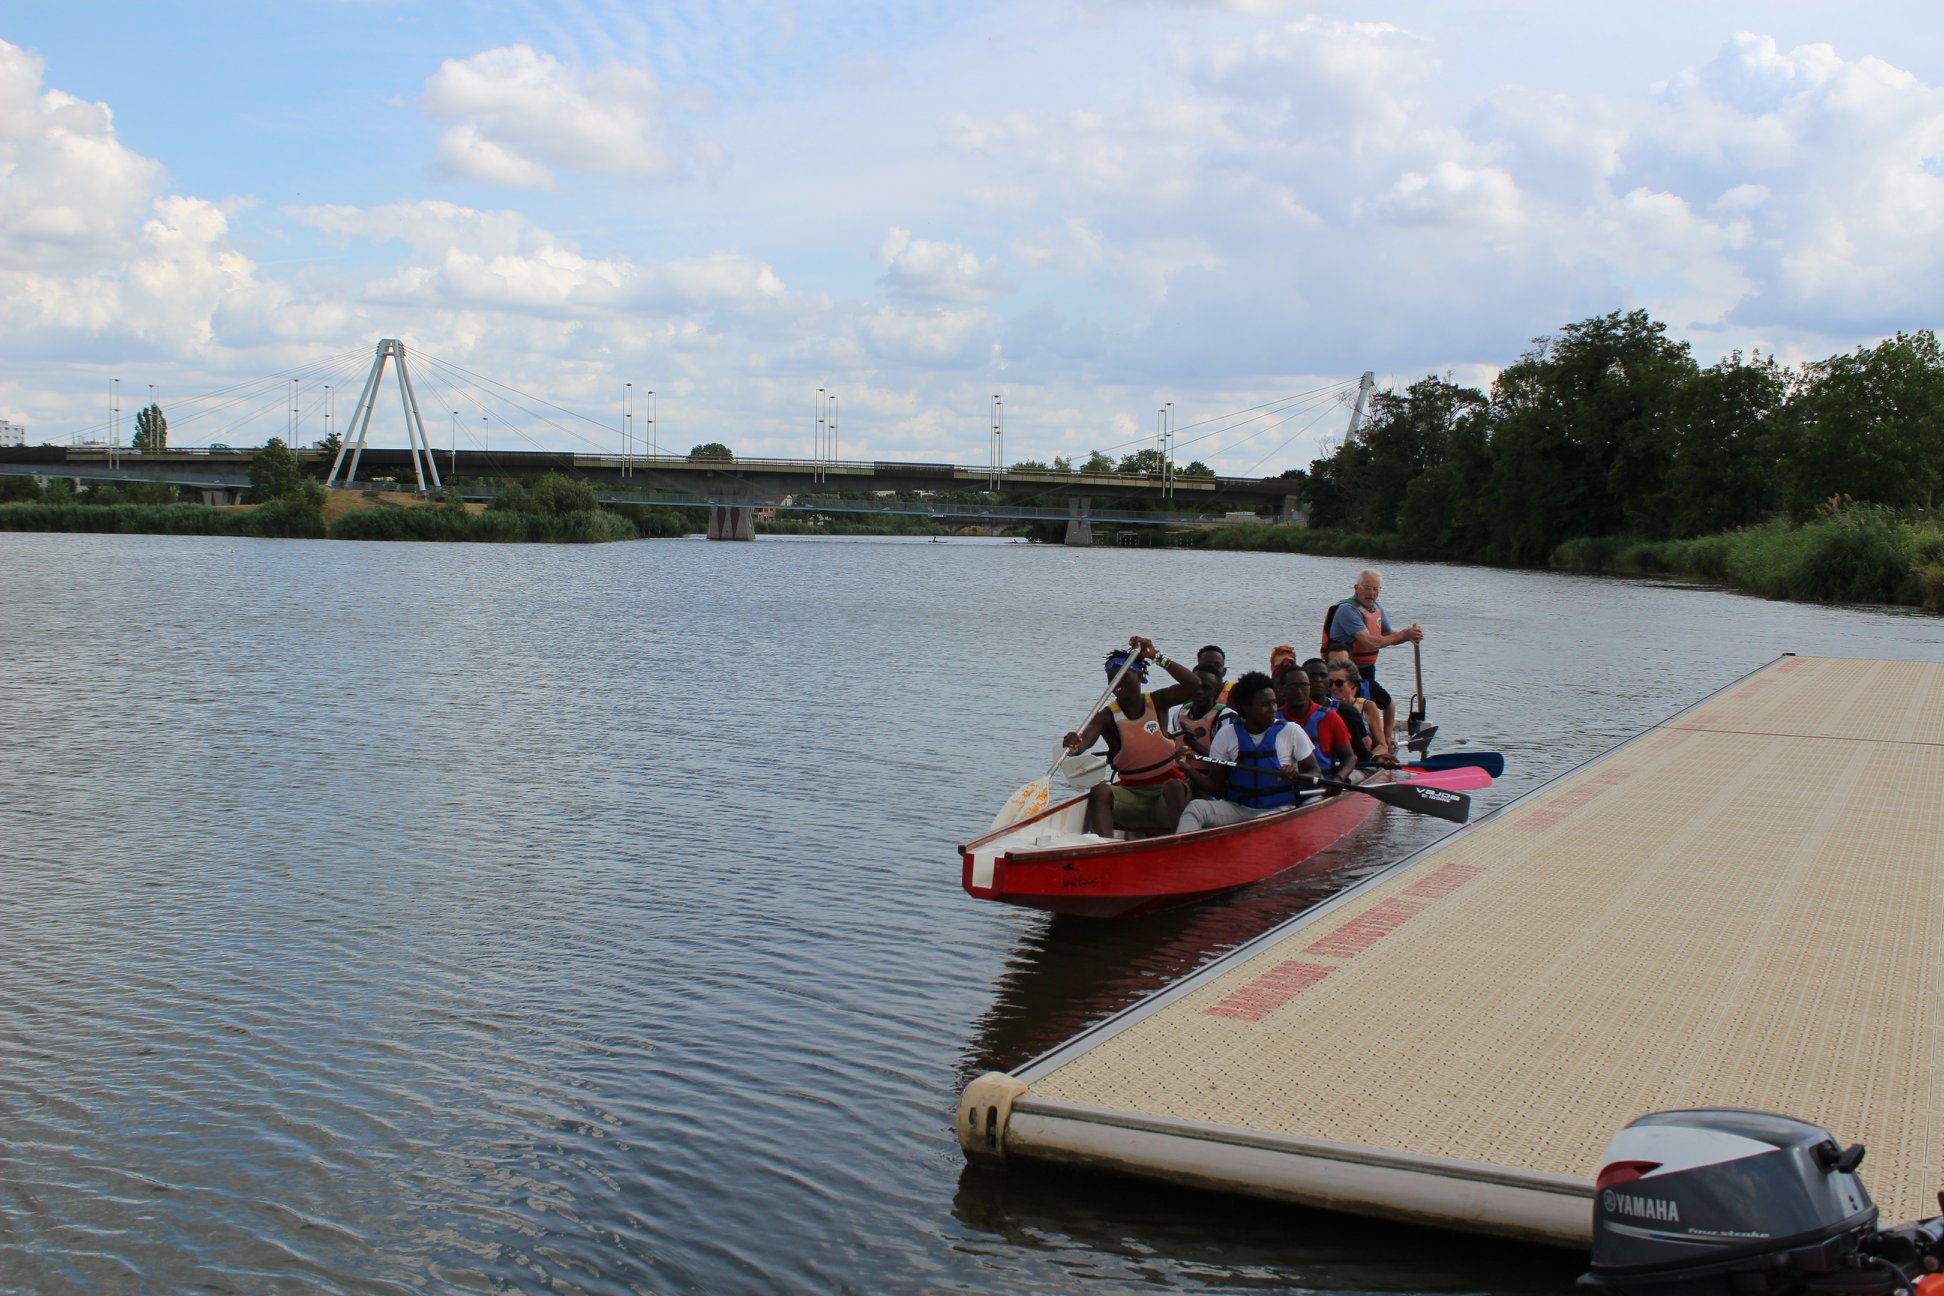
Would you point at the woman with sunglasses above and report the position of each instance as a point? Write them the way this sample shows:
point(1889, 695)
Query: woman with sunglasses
point(1360, 716)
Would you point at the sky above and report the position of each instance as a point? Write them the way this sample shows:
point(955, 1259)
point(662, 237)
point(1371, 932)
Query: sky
point(1107, 215)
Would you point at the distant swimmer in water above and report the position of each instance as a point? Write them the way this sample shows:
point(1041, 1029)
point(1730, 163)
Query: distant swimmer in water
point(1149, 789)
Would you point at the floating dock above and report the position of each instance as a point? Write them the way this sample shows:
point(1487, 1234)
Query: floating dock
point(1743, 906)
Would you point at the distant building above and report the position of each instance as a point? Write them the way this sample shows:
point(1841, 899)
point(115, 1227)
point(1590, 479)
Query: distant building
point(12, 434)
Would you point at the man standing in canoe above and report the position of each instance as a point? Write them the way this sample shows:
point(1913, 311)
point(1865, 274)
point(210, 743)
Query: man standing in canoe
point(1266, 752)
point(1149, 789)
point(1358, 624)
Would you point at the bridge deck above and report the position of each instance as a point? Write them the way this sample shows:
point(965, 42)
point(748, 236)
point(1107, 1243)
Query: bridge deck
point(1741, 907)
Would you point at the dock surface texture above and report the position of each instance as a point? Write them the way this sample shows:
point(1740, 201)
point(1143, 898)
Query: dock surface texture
point(1740, 907)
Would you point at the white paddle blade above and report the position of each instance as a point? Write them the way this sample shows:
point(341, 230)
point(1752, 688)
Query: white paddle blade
point(1082, 772)
point(1025, 803)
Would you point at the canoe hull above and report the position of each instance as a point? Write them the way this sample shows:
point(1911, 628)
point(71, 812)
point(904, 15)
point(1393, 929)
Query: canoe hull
point(1122, 878)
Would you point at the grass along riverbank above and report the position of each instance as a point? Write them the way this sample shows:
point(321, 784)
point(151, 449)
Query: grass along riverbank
point(1852, 554)
point(1859, 554)
point(342, 518)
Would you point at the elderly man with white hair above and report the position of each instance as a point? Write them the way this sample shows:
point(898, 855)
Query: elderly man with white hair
point(1358, 625)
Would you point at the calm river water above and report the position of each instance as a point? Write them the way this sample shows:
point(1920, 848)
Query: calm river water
point(388, 918)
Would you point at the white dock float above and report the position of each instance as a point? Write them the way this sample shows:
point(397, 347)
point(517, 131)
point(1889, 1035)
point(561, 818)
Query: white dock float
point(1743, 906)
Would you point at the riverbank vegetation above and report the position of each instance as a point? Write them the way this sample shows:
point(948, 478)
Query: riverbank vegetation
point(289, 504)
point(1608, 448)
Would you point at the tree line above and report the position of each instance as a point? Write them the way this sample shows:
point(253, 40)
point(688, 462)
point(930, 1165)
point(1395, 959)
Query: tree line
point(1611, 428)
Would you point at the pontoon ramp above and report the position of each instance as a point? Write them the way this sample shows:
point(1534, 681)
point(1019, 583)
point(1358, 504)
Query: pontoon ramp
point(1743, 906)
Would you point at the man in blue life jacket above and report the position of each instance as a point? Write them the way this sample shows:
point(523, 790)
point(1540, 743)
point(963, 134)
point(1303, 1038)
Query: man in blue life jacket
point(1358, 624)
point(1263, 755)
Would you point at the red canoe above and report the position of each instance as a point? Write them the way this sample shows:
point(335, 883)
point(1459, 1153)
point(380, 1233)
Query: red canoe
point(1047, 863)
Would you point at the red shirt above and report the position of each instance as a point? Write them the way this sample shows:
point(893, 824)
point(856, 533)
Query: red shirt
point(1332, 735)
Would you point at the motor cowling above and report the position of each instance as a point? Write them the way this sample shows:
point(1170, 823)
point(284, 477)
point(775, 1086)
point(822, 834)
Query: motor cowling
point(1719, 1201)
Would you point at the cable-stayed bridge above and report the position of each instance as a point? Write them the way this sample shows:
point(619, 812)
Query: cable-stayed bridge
point(626, 461)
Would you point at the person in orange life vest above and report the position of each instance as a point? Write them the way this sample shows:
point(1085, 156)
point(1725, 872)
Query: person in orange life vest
point(1334, 755)
point(1211, 657)
point(1358, 624)
point(1149, 789)
point(1360, 715)
point(1194, 722)
point(1264, 754)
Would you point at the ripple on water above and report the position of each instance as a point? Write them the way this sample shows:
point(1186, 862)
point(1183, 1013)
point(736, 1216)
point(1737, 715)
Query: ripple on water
point(425, 918)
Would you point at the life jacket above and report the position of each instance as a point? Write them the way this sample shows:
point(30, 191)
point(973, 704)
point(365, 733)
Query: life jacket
point(1313, 726)
point(1257, 781)
point(1197, 731)
point(1373, 623)
point(1145, 754)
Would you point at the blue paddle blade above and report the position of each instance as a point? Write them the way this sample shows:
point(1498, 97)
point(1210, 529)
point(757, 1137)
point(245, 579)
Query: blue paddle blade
point(1491, 762)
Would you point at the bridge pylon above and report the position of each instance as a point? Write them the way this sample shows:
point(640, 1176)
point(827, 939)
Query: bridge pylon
point(423, 467)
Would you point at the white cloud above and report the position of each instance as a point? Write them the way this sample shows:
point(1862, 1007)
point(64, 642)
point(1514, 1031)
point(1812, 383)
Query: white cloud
point(933, 271)
point(1453, 194)
point(946, 339)
point(520, 115)
point(73, 192)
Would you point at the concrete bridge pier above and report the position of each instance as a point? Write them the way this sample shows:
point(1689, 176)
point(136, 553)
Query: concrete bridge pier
point(732, 522)
point(222, 495)
point(1079, 521)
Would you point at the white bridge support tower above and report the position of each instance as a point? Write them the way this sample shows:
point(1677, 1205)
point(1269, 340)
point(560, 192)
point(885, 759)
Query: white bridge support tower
point(1364, 387)
point(424, 470)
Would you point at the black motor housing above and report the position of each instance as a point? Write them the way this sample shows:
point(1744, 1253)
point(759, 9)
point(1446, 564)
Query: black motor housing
point(1718, 1200)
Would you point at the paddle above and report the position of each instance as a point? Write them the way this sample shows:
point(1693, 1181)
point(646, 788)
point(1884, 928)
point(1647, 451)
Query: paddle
point(1032, 797)
point(1420, 739)
point(1466, 778)
point(1416, 797)
point(1491, 762)
point(1418, 704)
point(1438, 802)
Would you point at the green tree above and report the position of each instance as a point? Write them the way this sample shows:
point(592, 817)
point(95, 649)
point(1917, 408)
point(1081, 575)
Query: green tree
point(1098, 462)
point(1195, 468)
point(1869, 425)
point(1583, 435)
point(15, 489)
point(151, 430)
point(1030, 465)
point(1725, 447)
point(274, 471)
point(1142, 463)
point(711, 450)
point(551, 494)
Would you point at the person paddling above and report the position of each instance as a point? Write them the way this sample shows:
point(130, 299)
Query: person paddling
point(1265, 755)
point(1358, 624)
point(1149, 790)
point(1194, 722)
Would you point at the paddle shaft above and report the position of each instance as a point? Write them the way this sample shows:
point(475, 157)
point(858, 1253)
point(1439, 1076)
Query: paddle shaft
point(1099, 702)
point(1440, 803)
point(1419, 704)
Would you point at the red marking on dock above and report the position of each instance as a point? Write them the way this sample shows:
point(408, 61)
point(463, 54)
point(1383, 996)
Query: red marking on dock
point(1270, 991)
point(1443, 882)
point(1672, 738)
point(1540, 820)
point(1366, 929)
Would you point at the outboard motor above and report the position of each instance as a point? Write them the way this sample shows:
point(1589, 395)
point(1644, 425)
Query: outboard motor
point(1721, 1202)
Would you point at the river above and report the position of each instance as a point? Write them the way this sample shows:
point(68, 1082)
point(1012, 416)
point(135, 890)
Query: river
point(412, 918)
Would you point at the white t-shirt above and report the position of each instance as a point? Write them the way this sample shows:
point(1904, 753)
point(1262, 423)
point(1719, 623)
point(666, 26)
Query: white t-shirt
point(1292, 744)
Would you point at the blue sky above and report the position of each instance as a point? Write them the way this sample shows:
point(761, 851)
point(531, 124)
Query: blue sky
point(1089, 208)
